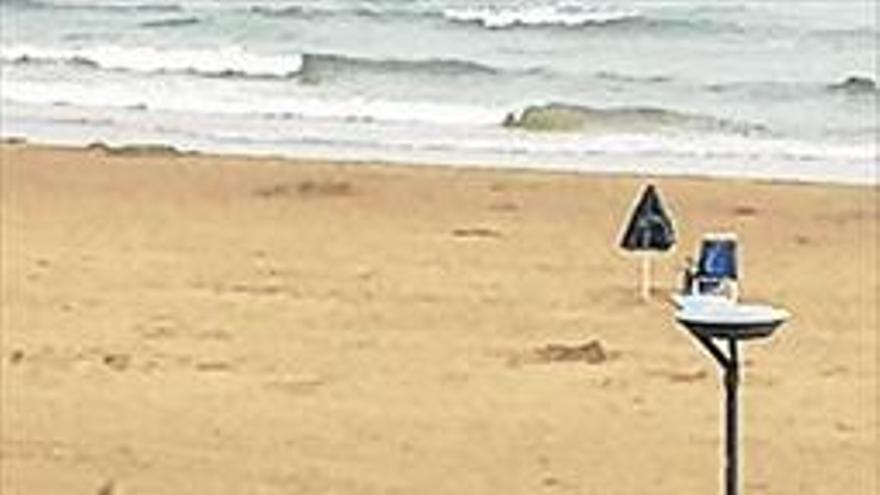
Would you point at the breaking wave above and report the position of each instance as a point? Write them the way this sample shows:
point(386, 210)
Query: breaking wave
point(197, 100)
point(566, 15)
point(223, 62)
point(856, 85)
point(316, 67)
point(578, 17)
point(233, 62)
point(551, 118)
point(558, 117)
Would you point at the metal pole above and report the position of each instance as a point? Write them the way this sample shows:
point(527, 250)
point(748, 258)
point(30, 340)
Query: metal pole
point(731, 383)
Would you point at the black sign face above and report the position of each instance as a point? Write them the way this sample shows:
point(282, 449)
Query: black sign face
point(649, 228)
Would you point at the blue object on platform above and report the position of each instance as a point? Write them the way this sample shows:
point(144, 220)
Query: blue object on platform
point(718, 258)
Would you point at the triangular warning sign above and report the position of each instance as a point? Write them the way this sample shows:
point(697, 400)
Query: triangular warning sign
point(649, 228)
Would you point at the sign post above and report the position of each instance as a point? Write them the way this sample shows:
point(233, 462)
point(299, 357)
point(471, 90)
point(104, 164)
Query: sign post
point(646, 276)
point(648, 231)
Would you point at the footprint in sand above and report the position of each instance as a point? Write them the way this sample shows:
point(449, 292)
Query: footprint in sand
point(16, 356)
point(214, 366)
point(108, 488)
point(592, 353)
point(476, 232)
point(304, 384)
point(117, 361)
point(686, 377)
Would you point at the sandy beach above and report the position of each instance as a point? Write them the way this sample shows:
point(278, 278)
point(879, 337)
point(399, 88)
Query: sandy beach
point(197, 324)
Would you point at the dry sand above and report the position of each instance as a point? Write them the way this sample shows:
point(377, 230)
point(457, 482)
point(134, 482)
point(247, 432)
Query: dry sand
point(224, 325)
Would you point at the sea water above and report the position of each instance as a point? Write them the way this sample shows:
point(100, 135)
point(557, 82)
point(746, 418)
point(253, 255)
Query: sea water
point(777, 89)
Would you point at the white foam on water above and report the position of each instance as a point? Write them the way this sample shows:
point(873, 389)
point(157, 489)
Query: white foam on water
point(565, 14)
point(219, 98)
point(153, 59)
point(696, 155)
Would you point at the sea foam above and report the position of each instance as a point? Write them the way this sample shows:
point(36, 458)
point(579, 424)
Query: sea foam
point(209, 61)
point(539, 15)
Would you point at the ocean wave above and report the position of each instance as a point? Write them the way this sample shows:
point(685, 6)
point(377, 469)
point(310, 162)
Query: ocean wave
point(614, 76)
point(313, 10)
point(21, 3)
point(224, 62)
point(112, 6)
point(566, 15)
point(549, 118)
point(236, 63)
point(171, 23)
point(317, 67)
point(288, 11)
point(788, 90)
point(198, 100)
point(555, 14)
point(266, 8)
point(492, 17)
point(559, 117)
point(856, 85)
point(348, 125)
point(593, 18)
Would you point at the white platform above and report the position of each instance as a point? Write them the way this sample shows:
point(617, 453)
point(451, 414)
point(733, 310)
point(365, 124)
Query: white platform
point(716, 316)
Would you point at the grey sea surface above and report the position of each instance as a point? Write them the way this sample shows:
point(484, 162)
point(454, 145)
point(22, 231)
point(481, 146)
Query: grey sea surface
point(776, 89)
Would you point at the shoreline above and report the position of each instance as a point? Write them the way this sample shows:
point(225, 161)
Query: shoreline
point(136, 148)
